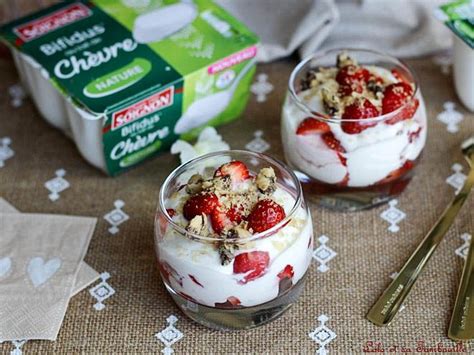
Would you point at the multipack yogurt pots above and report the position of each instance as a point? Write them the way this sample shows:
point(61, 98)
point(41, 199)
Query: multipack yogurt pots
point(125, 80)
point(459, 17)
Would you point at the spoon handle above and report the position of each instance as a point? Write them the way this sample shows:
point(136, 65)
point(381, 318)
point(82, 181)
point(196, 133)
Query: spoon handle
point(462, 319)
point(387, 306)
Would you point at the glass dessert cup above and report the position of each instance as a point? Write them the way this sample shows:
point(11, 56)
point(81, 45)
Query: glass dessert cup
point(345, 160)
point(202, 278)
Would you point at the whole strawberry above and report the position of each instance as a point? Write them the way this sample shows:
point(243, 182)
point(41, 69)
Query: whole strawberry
point(352, 79)
point(395, 96)
point(225, 219)
point(265, 214)
point(359, 110)
point(204, 203)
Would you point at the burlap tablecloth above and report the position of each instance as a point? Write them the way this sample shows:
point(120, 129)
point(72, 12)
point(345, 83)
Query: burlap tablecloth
point(367, 253)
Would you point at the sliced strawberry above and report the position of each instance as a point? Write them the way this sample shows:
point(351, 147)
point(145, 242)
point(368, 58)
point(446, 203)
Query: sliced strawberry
point(193, 279)
point(410, 109)
point(221, 220)
point(235, 214)
point(237, 171)
point(312, 126)
point(334, 144)
point(199, 204)
point(287, 272)
point(406, 113)
point(397, 173)
point(253, 264)
point(395, 96)
point(352, 79)
point(345, 181)
point(168, 273)
point(360, 109)
point(343, 160)
point(265, 214)
point(414, 135)
point(231, 302)
point(163, 222)
point(399, 76)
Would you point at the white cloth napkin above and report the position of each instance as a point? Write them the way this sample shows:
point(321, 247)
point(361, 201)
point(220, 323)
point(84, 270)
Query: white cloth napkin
point(403, 28)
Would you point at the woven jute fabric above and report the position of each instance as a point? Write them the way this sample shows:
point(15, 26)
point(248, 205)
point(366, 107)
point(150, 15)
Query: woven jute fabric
point(367, 252)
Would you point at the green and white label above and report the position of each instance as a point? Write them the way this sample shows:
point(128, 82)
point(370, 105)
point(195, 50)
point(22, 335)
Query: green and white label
point(119, 79)
point(93, 55)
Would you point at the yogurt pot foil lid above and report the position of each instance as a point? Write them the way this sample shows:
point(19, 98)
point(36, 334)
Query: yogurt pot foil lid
point(459, 17)
point(149, 72)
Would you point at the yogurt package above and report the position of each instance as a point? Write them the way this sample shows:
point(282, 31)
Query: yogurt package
point(459, 17)
point(125, 79)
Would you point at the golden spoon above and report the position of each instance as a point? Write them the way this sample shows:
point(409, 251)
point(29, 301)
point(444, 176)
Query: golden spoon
point(462, 319)
point(387, 306)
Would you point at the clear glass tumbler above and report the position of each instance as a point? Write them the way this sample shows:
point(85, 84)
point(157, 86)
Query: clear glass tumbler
point(264, 273)
point(353, 132)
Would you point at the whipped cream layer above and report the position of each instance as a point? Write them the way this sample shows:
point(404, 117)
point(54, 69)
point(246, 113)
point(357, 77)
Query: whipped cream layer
point(197, 272)
point(371, 155)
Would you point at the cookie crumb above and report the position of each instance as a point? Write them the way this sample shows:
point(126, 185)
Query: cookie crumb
point(198, 225)
point(238, 233)
point(194, 184)
point(266, 180)
point(344, 60)
point(226, 252)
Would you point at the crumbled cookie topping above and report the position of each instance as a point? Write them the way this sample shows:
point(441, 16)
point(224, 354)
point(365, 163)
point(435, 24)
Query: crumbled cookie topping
point(194, 184)
point(375, 87)
point(332, 102)
point(330, 84)
point(266, 180)
point(344, 60)
point(226, 252)
point(239, 232)
point(198, 225)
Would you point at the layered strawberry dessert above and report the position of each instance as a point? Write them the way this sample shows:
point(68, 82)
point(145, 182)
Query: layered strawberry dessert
point(354, 126)
point(246, 239)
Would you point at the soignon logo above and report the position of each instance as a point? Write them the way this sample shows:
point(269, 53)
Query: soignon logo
point(51, 22)
point(151, 104)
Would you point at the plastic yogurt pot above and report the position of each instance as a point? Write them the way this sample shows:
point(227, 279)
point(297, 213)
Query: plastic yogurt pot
point(463, 67)
point(233, 238)
point(353, 127)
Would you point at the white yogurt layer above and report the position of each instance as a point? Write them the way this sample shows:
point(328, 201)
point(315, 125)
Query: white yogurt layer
point(291, 245)
point(370, 155)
